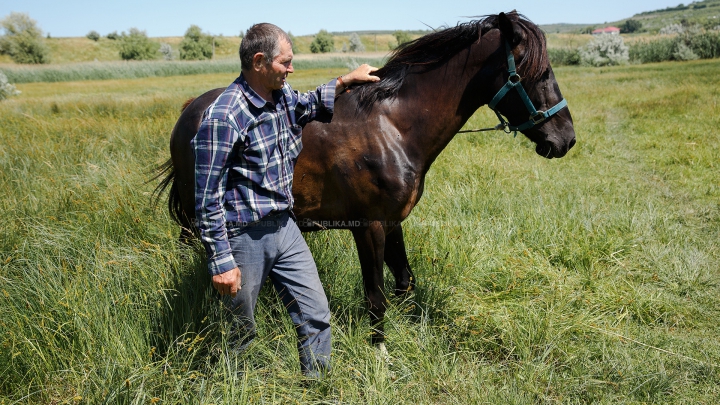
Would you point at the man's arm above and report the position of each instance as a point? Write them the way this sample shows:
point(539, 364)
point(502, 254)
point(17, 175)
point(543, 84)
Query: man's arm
point(212, 145)
point(324, 96)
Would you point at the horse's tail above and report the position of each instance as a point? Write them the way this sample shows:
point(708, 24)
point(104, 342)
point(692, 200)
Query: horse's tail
point(166, 171)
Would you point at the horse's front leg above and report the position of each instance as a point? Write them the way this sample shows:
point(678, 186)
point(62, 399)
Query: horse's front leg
point(370, 243)
point(397, 261)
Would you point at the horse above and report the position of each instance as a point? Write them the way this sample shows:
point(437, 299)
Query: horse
point(365, 170)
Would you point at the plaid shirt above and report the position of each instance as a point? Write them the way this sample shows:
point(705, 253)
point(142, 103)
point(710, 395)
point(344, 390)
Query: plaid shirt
point(245, 154)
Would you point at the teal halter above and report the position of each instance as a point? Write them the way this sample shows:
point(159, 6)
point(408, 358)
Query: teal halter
point(536, 117)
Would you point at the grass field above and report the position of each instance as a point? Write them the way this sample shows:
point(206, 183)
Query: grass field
point(589, 279)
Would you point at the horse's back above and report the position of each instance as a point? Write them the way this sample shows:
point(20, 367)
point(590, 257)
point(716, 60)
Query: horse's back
point(181, 153)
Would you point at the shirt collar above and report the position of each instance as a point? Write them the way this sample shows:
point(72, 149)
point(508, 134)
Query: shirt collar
point(249, 93)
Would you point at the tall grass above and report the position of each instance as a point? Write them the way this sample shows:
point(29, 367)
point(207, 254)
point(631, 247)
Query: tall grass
point(137, 69)
point(589, 279)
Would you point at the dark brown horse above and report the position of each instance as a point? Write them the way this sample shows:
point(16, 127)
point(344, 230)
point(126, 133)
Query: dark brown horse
point(365, 170)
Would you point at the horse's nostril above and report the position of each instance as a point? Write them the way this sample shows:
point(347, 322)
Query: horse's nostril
point(572, 143)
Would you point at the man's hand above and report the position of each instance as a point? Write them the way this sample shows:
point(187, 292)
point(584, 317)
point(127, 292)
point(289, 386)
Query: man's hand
point(227, 283)
point(357, 76)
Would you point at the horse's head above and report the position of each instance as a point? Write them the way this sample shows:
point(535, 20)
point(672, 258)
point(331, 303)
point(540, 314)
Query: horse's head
point(531, 98)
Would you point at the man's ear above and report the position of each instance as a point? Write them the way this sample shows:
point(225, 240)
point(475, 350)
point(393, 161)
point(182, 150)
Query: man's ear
point(510, 30)
point(258, 61)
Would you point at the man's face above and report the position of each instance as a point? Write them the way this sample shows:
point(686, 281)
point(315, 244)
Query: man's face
point(276, 72)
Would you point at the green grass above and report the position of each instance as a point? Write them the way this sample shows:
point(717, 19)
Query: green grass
point(588, 279)
point(138, 69)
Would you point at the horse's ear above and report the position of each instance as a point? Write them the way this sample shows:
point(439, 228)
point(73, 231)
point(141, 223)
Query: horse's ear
point(510, 30)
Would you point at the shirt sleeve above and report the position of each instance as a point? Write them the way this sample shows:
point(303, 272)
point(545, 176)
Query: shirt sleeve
point(212, 145)
point(309, 104)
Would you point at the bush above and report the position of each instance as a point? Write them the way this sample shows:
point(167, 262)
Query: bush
point(322, 43)
point(166, 51)
point(683, 52)
point(653, 51)
point(401, 37)
point(693, 44)
point(23, 40)
point(705, 44)
point(196, 45)
point(672, 29)
point(564, 56)
point(6, 88)
point(355, 44)
point(93, 35)
point(605, 50)
point(137, 46)
point(630, 26)
point(113, 35)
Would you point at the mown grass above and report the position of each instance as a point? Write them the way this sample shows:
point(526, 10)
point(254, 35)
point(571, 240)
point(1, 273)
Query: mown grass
point(588, 279)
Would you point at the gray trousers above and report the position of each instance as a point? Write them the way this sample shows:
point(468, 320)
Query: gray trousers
point(275, 248)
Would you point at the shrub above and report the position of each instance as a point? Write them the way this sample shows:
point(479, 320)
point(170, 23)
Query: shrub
point(137, 46)
point(630, 26)
point(93, 35)
point(683, 52)
point(355, 44)
point(196, 45)
point(604, 50)
point(672, 29)
point(653, 51)
point(113, 35)
point(693, 44)
point(564, 56)
point(23, 39)
point(322, 43)
point(401, 37)
point(166, 51)
point(6, 88)
point(705, 44)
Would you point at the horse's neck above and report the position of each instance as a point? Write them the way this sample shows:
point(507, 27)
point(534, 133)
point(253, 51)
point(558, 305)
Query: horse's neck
point(442, 100)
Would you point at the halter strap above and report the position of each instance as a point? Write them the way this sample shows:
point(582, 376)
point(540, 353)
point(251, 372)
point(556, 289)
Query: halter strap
point(514, 82)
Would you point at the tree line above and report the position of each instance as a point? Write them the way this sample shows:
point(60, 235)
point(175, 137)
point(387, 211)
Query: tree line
point(23, 41)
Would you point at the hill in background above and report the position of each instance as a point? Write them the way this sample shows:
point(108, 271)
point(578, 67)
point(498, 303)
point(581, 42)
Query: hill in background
point(705, 13)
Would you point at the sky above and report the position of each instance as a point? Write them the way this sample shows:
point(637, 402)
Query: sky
point(75, 18)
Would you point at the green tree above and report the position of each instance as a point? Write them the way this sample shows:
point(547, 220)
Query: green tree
point(93, 35)
point(401, 37)
point(137, 46)
point(322, 43)
point(292, 41)
point(630, 26)
point(23, 39)
point(196, 45)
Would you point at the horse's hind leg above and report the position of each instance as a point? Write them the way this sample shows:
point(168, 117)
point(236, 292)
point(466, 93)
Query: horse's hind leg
point(397, 261)
point(370, 243)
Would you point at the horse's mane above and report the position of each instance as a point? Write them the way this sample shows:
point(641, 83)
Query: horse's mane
point(436, 48)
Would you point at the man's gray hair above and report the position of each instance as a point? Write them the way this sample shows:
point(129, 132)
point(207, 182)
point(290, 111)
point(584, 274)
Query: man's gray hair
point(263, 37)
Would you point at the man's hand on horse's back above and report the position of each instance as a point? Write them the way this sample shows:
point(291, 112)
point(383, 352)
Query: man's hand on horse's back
point(227, 283)
point(361, 75)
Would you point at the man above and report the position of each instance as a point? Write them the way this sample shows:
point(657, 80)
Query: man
point(245, 153)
